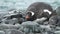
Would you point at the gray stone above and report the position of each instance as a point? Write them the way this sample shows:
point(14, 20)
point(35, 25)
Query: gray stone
point(9, 26)
point(2, 32)
point(30, 26)
point(10, 21)
point(58, 10)
point(16, 32)
point(54, 20)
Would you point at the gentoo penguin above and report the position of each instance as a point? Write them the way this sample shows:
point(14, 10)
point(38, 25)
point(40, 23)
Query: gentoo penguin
point(38, 10)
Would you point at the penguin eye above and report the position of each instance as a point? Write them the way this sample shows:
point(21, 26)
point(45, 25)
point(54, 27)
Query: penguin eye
point(45, 10)
point(32, 13)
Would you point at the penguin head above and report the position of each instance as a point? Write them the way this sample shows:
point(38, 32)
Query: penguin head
point(46, 13)
point(30, 16)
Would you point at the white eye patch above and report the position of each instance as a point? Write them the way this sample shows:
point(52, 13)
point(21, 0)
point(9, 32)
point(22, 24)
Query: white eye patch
point(45, 10)
point(32, 13)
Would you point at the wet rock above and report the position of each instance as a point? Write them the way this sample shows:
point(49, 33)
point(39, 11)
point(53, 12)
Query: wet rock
point(21, 20)
point(9, 26)
point(46, 27)
point(30, 26)
point(10, 21)
point(29, 23)
point(16, 32)
point(55, 20)
point(57, 32)
point(58, 10)
point(8, 31)
point(46, 23)
point(2, 32)
point(14, 17)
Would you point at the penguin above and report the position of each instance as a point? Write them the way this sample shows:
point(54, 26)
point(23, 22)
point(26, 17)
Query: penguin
point(39, 10)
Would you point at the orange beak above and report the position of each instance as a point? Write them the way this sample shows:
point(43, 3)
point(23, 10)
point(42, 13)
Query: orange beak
point(27, 17)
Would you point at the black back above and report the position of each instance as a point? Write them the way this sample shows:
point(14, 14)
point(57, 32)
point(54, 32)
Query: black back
point(38, 8)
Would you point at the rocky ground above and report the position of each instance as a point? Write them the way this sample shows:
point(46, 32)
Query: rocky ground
point(11, 26)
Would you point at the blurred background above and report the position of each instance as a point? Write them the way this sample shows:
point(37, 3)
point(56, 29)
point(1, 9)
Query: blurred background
point(23, 4)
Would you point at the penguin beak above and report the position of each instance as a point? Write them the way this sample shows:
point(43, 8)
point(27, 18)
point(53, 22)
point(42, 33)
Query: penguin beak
point(27, 17)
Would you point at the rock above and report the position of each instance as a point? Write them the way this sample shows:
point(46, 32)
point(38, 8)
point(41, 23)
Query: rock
point(46, 27)
point(30, 26)
point(9, 26)
point(58, 10)
point(29, 23)
point(9, 31)
point(2, 32)
point(46, 23)
point(54, 20)
point(16, 32)
point(10, 21)
point(57, 32)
